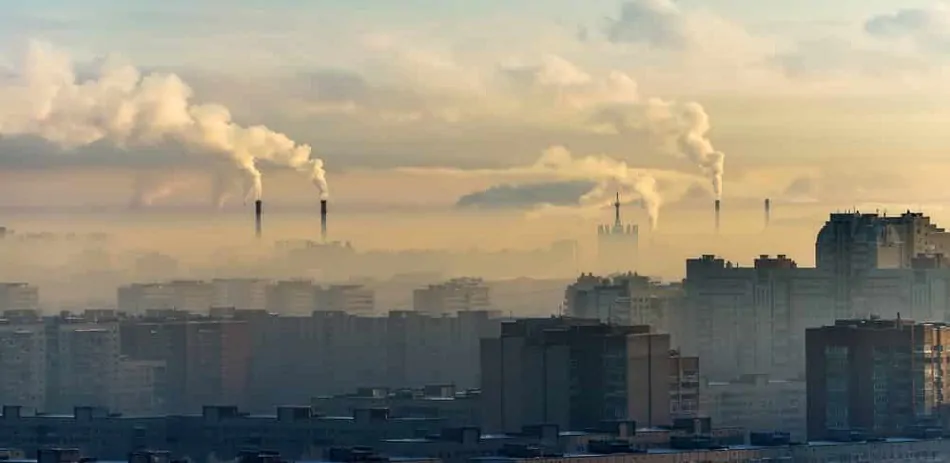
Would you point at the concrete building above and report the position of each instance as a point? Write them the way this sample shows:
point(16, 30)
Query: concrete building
point(877, 377)
point(453, 407)
point(293, 297)
point(757, 403)
point(684, 386)
point(140, 388)
point(216, 433)
point(457, 295)
point(83, 364)
point(19, 296)
point(575, 374)
point(753, 318)
point(205, 361)
point(626, 299)
point(352, 299)
point(852, 243)
point(137, 298)
point(240, 293)
point(23, 365)
point(617, 244)
point(186, 295)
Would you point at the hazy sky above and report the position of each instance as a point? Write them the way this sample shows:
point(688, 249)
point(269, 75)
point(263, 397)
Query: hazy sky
point(423, 102)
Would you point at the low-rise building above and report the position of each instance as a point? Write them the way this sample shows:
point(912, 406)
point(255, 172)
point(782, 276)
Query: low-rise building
point(454, 408)
point(758, 403)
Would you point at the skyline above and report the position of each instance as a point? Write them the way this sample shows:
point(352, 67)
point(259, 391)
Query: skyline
point(422, 109)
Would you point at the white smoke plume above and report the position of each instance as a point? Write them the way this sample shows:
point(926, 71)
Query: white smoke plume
point(681, 127)
point(128, 109)
point(612, 103)
point(558, 163)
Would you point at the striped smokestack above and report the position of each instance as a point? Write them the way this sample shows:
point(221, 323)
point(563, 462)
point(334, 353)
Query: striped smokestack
point(718, 205)
point(258, 211)
point(323, 220)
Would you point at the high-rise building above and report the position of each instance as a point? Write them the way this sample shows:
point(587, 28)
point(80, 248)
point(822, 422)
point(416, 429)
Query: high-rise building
point(617, 244)
point(83, 363)
point(753, 318)
point(240, 293)
point(575, 374)
point(19, 296)
point(293, 297)
point(684, 386)
point(852, 243)
point(206, 361)
point(880, 377)
point(626, 299)
point(23, 365)
point(457, 295)
point(352, 299)
point(186, 295)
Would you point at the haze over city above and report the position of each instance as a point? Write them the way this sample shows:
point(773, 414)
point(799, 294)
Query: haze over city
point(434, 132)
point(447, 231)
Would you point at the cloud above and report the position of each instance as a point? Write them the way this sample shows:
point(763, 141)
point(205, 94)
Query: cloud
point(609, 175)
point(928, 29)
point(657, 23)
point(526, 196)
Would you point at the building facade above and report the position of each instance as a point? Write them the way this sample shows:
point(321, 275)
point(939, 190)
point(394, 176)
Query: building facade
point(575, 374)
point(876, 377)
point(456, 295)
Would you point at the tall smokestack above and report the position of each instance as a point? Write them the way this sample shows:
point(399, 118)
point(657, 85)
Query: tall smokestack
point(718, 205)
point(768, 212)
point(258, 210)
point(323, 220)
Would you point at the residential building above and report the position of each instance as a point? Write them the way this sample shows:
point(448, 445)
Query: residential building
point(293, 297)
point(205, 361)
point(23, 365)
point(684, 386)
point(575, 374)
point(352, 299)
point(19, 297)
point(443, 401)
point(757, 403)
point(83, 364)
point(874, 376)
point(240, 293)
point(457, 295)
point(626, 299)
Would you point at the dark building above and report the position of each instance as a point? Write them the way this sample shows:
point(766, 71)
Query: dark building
point(875, 377)
point(207, 361)
point(574, 373)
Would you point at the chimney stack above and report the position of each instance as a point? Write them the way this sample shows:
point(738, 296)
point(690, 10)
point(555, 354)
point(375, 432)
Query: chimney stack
point(258, 210)
point(768, 212)
point(323, 220)
point(718, 205)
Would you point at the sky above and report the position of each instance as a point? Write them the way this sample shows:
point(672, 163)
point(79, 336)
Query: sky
point(531, 108)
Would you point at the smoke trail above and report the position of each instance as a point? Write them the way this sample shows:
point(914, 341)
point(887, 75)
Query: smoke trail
point(128, 109)
point(695, 143)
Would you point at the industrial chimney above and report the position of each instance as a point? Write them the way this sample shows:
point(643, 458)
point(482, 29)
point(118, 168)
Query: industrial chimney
point(768, 212)
point(718, 204)
point(323, 220)
point(258, 210)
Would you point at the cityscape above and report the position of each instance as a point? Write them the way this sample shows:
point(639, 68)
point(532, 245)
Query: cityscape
point(614, 231)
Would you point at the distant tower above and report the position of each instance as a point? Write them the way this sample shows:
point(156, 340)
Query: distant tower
point(323, 220)
point(768, 212)
point(718, 206)
point(258, 211)
point(617, 244)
